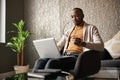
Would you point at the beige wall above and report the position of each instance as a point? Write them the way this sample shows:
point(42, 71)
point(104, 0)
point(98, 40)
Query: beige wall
point(48, 18)
point(102, 13)
point(43, 21)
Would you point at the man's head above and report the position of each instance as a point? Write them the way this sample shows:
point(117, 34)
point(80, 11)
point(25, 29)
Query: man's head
point(77, 16)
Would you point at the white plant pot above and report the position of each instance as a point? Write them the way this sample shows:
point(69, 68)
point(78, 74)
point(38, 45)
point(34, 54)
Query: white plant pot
point(21, 69)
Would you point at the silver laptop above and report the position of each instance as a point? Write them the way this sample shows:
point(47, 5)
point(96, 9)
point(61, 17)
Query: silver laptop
point(47, 48)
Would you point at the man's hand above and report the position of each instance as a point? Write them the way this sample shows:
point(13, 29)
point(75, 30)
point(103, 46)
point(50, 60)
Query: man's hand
point(77, 41)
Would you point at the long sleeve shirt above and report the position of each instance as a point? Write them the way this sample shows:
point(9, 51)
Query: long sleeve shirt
point(91, 37)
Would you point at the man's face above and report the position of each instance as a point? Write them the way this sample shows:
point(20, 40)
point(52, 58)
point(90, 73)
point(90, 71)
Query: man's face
point(77, 18)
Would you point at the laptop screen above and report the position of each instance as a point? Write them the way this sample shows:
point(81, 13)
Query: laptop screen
point(47, 48)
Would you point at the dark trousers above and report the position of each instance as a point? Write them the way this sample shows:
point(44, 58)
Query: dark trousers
point(70, 61)
point(65, 63)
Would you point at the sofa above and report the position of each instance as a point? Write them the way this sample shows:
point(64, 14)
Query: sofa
point(108, 61)
point(111, 55)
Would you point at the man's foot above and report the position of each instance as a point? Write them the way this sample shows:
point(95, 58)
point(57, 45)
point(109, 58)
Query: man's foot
point(70, 77)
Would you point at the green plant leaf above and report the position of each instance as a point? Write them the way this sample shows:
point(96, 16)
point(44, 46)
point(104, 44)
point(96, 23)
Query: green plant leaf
point(18, 41)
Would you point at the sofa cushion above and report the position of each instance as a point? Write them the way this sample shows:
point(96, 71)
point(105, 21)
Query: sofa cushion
point(113, 46)
point(110, 63)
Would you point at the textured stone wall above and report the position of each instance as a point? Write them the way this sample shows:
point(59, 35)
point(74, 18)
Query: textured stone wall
point(42, 18)
point(102, 13)
point(49, 18)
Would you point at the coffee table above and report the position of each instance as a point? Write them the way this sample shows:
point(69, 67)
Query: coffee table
point(105, 73)
point(44, 74)
point(12, 76)
point(51, 74)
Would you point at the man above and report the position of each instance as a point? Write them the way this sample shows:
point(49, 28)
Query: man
point(82, 34)
point(80, 38)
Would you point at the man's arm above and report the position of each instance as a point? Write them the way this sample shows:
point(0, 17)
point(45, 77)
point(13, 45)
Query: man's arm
point(61, 43)
point(97, 42)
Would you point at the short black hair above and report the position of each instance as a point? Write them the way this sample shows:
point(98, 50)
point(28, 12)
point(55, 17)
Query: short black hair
point(80, 11)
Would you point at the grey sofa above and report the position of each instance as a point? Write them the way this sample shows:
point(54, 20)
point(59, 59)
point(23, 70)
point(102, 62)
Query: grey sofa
point(108, 61)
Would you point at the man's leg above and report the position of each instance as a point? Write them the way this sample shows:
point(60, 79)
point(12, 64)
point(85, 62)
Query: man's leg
point(80, 61)
point(40, 64)
point(64, 63)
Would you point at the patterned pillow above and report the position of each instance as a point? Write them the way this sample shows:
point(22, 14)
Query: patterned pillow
point(113, 46)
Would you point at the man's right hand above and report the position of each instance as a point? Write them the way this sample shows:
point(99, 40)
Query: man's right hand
point(76, 41)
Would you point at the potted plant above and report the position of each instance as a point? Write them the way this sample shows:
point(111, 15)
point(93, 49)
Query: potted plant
point(17, 44)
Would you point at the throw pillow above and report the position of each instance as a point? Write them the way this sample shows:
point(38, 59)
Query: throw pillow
point(113, 46)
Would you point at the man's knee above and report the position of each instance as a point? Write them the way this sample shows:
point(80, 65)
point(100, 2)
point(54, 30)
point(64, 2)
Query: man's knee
point(52, 63)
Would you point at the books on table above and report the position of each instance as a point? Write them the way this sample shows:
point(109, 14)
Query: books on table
point(44, 73)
